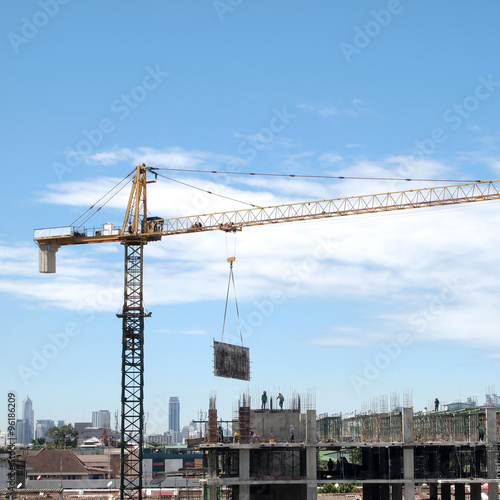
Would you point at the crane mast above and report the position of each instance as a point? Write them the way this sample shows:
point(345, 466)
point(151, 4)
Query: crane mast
point(137, 230)
point(132, 383)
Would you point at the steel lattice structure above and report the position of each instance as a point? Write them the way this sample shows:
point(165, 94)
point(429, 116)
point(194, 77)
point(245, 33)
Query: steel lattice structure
point(132, 373)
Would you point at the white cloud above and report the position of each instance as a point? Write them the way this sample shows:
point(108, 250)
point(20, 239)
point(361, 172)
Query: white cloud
point(169, 158)
point(355, 109)
point(323, 110)
point(330, 158)
point(395, 265)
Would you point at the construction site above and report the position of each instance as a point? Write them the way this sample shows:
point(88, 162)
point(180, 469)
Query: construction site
point(389, 455)
point(284, 453)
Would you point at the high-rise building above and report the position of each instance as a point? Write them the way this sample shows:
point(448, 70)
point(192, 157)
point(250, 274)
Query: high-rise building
point(42, 426)
point(26, 426)
point(174, 413)
point(101, 419)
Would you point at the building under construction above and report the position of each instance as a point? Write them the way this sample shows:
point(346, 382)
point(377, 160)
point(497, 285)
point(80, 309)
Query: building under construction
point(387, 455)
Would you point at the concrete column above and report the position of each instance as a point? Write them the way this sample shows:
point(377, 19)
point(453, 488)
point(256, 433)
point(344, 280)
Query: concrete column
point(244, 463)
point(311, 427)
point(445, 491)
point(407, 425)
point(460, 491)
point(408, 454)
point(493, 490)
point(312, 492)
point(491, 452)
point(311, 466)
point(472, 429)
point(397, 492)
point(408, 471)
point(212, 492)
point(409, 490)
point(475, 491)
point(311, 457)
point(433, 491)
point(244, 493)
point(212, 463)
point(491, 427)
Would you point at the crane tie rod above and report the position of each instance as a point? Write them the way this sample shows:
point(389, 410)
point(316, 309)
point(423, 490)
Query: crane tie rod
point(100, 199)
point(206, 191)
point(341, 177)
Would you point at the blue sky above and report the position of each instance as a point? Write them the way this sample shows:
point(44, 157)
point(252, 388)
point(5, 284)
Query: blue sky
point(349, 309)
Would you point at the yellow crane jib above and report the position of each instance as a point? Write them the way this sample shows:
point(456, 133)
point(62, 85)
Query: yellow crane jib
point(138, 227)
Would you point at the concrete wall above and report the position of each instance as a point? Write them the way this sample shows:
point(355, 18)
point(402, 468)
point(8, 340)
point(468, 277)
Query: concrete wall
point(275, 424)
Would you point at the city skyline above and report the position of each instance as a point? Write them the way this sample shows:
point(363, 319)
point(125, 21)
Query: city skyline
point(100, 419)
point(163, 425)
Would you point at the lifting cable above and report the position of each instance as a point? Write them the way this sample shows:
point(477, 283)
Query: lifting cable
point(231, 280)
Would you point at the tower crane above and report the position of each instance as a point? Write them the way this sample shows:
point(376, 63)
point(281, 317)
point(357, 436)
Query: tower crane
point(138, 230)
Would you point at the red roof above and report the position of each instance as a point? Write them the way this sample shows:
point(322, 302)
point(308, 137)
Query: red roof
point(55, 462)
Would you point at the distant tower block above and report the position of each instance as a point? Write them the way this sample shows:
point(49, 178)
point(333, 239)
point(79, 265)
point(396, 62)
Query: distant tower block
point(47, 258)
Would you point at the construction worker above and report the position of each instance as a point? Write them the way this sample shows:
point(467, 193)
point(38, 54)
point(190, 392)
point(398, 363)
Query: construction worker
point(264, 400)
point(280, 399)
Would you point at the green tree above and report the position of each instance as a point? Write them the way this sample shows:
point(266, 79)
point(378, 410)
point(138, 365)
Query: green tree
point(38, 442)
point(63, 437)
point(337, 488)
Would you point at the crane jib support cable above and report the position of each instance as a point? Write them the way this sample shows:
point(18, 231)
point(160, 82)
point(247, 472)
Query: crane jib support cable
point(231, 280)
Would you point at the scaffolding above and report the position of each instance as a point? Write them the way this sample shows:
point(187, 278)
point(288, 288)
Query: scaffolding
point(461, 425)
point(467, 425)
point(367, 428)
point(276, 463)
